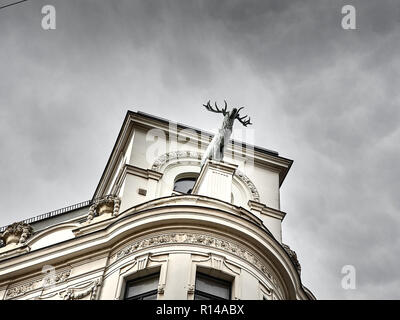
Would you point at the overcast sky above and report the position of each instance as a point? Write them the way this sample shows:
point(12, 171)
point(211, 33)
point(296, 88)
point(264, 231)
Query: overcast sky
point(325, 97)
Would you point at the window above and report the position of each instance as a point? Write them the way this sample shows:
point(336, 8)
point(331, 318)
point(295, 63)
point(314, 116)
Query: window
point(210, 288)
point(184, 185)
point(144, 288)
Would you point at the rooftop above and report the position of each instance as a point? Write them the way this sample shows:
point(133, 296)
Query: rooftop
point(60, 215)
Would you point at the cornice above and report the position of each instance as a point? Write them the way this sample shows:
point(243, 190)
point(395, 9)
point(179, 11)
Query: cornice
point(262, 208)
point(143, 173)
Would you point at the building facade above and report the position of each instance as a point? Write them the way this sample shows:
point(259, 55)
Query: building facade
point(161, 226)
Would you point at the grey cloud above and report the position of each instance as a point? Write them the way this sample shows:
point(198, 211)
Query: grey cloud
point(325, 97)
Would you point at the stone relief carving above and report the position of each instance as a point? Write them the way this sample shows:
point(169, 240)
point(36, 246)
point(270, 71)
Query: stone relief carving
point(250, 185)
point(158, 164)
point(293, 256)
point(174, 155)
point(16, 233)
point(197, 239)
point(78, 293)
point(108, 204)
point(22, 288)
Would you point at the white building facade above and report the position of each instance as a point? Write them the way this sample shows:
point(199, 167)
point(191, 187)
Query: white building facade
point(161, 226)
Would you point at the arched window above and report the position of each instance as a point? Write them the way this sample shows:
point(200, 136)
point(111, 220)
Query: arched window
point(185, 185)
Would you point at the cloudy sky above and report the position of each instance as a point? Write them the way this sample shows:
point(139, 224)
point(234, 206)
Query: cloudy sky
point(323, 96)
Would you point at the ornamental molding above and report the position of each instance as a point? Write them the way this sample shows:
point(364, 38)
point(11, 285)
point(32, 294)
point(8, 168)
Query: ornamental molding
point(249, 184)
point(195, 155)
point(16, 233)
point(201, 240)
point(77, 293)
point(108, 204)
point(162, 160)
point(262, 208)
point(20, 289)
point(293, 257)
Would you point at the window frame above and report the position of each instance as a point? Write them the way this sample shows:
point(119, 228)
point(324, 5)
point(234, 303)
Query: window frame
point(209, 295)
point(145, 294)
point(187, 176)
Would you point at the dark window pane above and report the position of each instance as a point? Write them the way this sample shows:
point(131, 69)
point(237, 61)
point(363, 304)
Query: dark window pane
point(151, 297)
point(200, 297)
point(142, 287)
point(184, 185)
point(211, 288)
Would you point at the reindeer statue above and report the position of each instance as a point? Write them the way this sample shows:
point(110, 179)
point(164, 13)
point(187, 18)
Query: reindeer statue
point(215, 149)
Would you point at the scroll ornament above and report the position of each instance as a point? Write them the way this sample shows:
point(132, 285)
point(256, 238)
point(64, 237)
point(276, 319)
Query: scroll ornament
point(108, 204)
point(17, 233)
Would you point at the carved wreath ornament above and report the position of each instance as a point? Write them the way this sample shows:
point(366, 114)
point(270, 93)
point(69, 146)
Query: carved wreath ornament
point(108, 204)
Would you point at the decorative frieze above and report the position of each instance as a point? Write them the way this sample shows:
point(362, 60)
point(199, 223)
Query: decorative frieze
point(23, 288)
point(197, 239)
point(16, 233)
point(109, 204)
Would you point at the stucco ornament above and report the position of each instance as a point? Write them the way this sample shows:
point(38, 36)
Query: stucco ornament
point(109, 204)
point(22, 288)
point(215, 149)
point(178, 155)
point(293, 256)
point(16, 233)
point(79, 293)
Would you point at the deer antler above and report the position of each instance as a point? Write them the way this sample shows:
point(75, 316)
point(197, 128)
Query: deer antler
point(243, 120)
point(216, 110)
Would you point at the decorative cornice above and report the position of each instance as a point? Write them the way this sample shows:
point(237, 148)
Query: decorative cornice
point(144, 173)
point(262, 208)
point(201, 240)
point(180, 155)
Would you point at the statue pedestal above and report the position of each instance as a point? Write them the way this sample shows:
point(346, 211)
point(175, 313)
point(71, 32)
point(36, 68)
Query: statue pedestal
point(215, 180)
